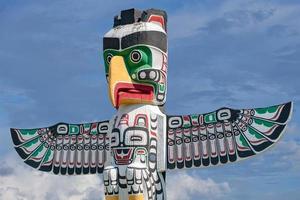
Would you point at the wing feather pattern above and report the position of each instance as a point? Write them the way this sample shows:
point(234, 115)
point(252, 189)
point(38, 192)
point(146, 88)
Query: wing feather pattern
point(66, 149)
point(223, 136)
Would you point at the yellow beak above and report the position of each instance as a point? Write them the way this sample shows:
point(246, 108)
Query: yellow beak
point(117, 73)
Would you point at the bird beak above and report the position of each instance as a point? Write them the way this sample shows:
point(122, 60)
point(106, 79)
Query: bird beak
point(122, 89)
point(117, 73)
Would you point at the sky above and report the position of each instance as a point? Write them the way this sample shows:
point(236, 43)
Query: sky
point(234, 53)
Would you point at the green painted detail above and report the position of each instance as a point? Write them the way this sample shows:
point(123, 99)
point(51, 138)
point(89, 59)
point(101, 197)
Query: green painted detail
point(47, 156)
point(243, 141)
point(144, 63)
point(210, 118)
point(39, 150)
point(73, 129)
point(28, 131)
point(263, 122)
point(87, 126)
point(142, 156)
point(94, 131)
point(255, 133)
point(31, 143)
point(271, 109)
point(132, 67)
point(194, 117)
point(161, 87)
point(186, 125)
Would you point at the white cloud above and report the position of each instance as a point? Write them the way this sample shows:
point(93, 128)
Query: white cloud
point(20, 182)
point(185, 186)
point(233, 17)
point(284, 156)
point(23, 183)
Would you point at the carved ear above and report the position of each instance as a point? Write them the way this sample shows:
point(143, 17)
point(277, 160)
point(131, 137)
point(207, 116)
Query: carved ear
point(158, 20)
point(155, 16)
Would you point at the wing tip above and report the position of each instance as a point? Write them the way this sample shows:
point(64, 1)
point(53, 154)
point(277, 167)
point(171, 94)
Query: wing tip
point(291, 105)
point(14, 136)
point(286, 113)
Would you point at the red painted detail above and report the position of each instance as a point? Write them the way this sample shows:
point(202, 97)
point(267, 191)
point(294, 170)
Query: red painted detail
point(100, 136)
point(195, 122)
point(164, 63)
point(201, 121)
point(124, 119)
point(186, 130)
point(269, 132)
point(141, 151)
point(186, 118)
point(223, 152)
point(157, 18)
point(278, 113)
point(210, 126)
point(153, 133)
point(194, 129)
point(94, 127)
point(197, 156)
point(139, 117)
point(133, 91)
point(123, 155)
point(171, 132)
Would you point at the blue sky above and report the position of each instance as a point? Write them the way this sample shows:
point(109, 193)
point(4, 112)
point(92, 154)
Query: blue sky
point(236, 53)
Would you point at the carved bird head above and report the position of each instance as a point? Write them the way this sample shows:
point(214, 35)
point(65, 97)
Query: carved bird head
point(135, 58)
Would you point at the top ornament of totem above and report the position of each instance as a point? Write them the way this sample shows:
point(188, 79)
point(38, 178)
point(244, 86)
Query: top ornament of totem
point(141, 143)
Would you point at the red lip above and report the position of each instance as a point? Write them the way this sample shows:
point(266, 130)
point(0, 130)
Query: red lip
point(123, 155)
point(132, 91)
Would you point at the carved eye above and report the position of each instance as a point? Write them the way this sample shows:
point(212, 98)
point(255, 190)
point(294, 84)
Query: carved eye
point(135, 56)
point(108, 58)
point(114, 139)
point(135, 138)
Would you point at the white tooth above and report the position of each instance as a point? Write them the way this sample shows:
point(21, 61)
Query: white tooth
point(113, 174)
point(109, 189)
point(152, 74)
point(135, 188)
point(143, 75)
point(138, 174)
point(129, 174)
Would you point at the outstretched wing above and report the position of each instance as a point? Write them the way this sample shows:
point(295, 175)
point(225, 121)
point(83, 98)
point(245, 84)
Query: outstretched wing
point(64, 148)
point(223, 136)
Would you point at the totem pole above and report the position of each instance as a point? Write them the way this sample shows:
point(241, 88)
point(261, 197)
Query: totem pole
point(141, 143)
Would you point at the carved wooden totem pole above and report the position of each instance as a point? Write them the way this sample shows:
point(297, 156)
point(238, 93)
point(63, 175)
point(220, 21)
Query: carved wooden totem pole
point(141, 143)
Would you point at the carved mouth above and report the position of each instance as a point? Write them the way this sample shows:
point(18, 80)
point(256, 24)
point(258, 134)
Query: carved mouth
point(123, 156)
point(132, 92)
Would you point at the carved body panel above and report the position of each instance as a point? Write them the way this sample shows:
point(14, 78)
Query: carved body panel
point(134, 169)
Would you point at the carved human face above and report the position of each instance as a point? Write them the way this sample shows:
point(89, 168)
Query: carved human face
point(130, 142)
